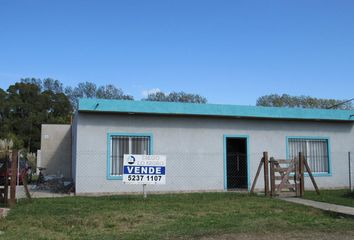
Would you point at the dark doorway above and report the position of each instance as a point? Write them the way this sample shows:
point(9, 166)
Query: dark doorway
point(236, 160)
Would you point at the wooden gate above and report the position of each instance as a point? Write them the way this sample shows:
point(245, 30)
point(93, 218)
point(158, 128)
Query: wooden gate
point(286, 176)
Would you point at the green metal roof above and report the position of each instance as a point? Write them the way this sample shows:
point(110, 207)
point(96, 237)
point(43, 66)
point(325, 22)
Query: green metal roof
point(172, 108)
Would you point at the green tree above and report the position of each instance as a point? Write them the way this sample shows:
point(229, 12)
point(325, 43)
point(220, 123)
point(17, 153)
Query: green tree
point(53, 85)
point(176, 97)
point(90, 90)
point(111, 92)
point(285, 100)
point(25, 112)
point(3, 130)
point(28, 108)
point(34, 81)
point(31, 102)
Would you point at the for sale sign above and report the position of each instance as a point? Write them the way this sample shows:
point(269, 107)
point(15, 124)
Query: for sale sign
point(144, 169)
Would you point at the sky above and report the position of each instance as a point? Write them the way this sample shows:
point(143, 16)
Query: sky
point(231, 52)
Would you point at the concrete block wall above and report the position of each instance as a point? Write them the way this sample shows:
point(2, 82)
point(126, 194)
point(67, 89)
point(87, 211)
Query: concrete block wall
point(56, 147)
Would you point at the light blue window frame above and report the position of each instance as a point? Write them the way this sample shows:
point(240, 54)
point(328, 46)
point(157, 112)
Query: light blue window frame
point(114, 134)
point(328, 153)
point(226, 136)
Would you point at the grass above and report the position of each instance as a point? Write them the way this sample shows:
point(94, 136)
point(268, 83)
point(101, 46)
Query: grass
point(341, 197)
point(173, 216)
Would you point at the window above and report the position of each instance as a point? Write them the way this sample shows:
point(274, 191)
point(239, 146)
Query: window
point(314, 150)
point(120, 145)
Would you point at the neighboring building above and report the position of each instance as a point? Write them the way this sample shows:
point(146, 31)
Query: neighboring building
point(208, 147)
point(55, 153)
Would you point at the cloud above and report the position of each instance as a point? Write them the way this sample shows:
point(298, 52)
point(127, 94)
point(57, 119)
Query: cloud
point(146, 92)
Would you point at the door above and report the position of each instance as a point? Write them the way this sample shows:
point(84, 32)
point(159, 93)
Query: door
point(236, 163)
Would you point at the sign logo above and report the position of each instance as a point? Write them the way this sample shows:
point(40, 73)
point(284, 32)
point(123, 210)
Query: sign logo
point(131, 160)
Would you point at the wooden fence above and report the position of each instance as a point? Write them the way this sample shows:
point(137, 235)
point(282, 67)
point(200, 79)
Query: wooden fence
point(286, 177)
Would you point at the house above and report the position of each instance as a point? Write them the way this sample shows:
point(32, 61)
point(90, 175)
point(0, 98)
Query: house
point(209, 147)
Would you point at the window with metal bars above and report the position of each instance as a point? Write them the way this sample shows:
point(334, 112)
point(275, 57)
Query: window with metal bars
point(121, 145)
point(315, 151)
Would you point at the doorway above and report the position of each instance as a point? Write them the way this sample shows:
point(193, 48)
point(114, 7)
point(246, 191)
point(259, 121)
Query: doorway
point(236, 163)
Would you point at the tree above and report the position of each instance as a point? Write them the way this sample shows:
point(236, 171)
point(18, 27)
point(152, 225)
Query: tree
point(176, 97)
point(34, 81)
point(25, 111)
point(158, 97)
point(27, 108)
point(90, 90)
point(111, 92)
point(2, 103)
point(52, 85)
point(31, 102)
point(3, 96)
point(285, 100)
point(58, 107)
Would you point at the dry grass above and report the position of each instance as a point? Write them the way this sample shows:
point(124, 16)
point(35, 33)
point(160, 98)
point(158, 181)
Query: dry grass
point(172, 216)
point(341, 197)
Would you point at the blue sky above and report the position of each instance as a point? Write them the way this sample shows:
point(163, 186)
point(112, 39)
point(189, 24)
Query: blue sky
point(229, 51)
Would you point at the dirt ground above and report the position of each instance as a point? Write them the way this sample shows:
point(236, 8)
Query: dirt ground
point(292, 236)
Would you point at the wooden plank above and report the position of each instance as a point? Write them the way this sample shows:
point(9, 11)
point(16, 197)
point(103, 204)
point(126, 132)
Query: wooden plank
point(301, 173)
point(12, 201)
point(280, 169)
point(287, 185)
point(311, 176)
point(296, 177)
point(266, 176)
point(272, 177)
point(292, 189)
point(283, 161)
point(290, 186)
point(289, 168)
point(277, 178)
point(257, 174)
point(6, 183)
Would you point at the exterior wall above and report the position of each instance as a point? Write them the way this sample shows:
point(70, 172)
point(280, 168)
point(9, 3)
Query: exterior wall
point(74, 146)
point(56, 149)
point(194, 147)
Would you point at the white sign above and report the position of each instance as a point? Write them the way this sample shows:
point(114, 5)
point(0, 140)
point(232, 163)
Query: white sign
point(144, 169)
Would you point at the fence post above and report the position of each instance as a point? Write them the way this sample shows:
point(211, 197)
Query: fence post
point(6, 183)
point(257, 174)
point(12, 201)
point(301, 173)
point(297, 176)
point(272, 177)
point(266, 177)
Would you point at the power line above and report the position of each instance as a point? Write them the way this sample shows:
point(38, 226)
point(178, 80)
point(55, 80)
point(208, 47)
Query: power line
point(336, 105)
